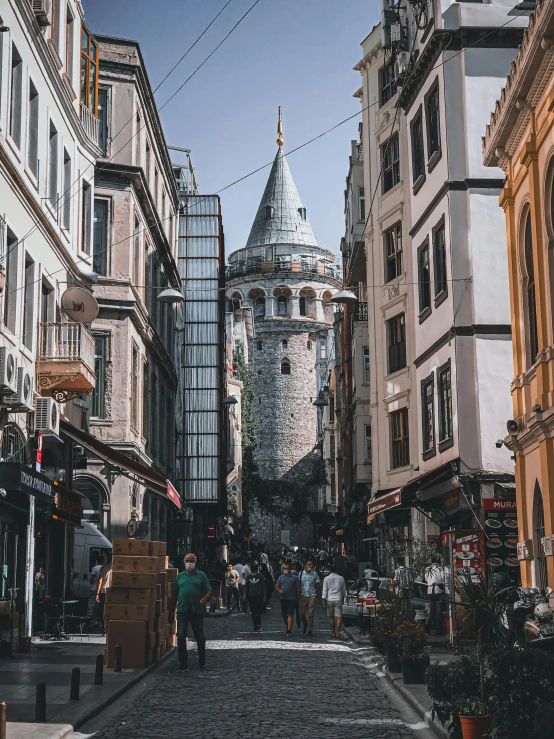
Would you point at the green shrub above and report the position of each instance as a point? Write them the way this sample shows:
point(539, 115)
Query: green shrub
point(451, 686)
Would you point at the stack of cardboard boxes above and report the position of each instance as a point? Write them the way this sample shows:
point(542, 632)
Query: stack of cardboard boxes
point(137, 603)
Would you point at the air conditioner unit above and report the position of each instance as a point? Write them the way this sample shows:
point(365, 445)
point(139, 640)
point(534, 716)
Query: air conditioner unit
point(23, 399)
point(8, 371)
point(40, 9)
point(47, 416)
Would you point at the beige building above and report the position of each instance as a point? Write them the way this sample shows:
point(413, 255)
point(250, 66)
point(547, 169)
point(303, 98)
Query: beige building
point(135, 204)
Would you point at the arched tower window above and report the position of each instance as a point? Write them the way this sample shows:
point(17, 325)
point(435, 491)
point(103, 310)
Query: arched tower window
point(541, 580)
point(259, 346)
point(282, 306)
point(302, 213)
point(260, 308)
point(268, 212)
point(531, 296)
point(303, 306)
point(309, 346)
point(285, 367)
point(285, 343)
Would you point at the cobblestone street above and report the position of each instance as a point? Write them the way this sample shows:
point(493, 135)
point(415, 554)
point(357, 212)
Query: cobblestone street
point(263, 685)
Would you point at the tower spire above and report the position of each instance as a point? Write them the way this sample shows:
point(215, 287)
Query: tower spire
point(280, 141)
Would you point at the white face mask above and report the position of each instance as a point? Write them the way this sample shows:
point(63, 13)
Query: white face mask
point(308, 569)
point(190, 566)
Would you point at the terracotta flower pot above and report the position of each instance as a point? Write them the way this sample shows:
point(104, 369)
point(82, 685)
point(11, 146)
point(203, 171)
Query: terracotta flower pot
point(474, 727)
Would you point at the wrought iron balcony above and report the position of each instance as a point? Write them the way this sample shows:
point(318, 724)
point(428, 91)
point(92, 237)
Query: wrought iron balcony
point(65, 365)
point(90, 122)
point(257, 265)
point(360, 312)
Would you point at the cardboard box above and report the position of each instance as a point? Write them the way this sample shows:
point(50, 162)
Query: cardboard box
point(131, 636)
point(132, 596)
point(135, 547)
point(121, 563)
point(124, 612)
point(169, 589)
point(134, 580)
point(163, 563)
point(158, 608)
point(173, 627)
point(171, 573)
point(158, 591)
point(158, 548)
point(162, 580)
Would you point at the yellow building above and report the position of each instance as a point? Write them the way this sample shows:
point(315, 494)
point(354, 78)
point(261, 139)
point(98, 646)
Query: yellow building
point(520, 140)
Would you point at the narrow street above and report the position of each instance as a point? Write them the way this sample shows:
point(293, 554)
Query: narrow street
point(258, 686)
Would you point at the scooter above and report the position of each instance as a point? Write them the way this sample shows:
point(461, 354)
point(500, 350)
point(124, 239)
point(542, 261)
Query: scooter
point(539, 630)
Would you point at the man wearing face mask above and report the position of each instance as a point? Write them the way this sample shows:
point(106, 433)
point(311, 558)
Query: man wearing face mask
point(191, 592)
point(309, 589)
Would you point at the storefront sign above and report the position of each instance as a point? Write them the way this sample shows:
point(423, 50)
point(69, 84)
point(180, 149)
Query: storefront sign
point(501, 543)
point(173, 495)
point(339, 532)
point(390, 500)
point(68, 506)
point(451, 501)
point(25, 480)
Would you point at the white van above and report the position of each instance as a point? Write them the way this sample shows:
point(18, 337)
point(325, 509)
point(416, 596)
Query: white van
point(91, 548)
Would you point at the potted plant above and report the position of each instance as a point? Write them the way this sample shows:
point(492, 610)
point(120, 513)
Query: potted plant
point(474, 718)
point(411, 639)
point(452, 686)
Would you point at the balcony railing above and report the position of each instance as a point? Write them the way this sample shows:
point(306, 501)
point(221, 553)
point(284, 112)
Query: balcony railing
point(260, 266)
point(360, 312)
point(67, 342)
point(90, 123)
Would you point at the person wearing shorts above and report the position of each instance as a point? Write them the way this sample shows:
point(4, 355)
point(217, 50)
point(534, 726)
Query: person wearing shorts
point(332, 597)
point(288, 586)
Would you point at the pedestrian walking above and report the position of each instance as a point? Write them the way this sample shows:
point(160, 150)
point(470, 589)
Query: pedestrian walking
point(232, 580)
point(104, 582)
point(323, 557)
point(340, 564)
point(267, 572)
point(309, 589)
point(288, 586)
point(434, 578)
point(254, 593)
point(332, 597)
point(191, 592)
point(296, 569)
point(242, 587)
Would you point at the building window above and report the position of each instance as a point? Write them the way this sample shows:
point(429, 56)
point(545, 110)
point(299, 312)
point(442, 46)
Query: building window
point(396, 340)
point(16, 96)
point(268, 212)
point(331, 409)
point(66, 196)
point(303, 304)
point(146, 400)
point(282, 307)
point(424, 278)
point(400, 439)
point(163, 427)
point(285, 367)
point(309, 345)
point(323, 349)
point(387, 83)
point(138, 142)
point(55, 21)
point(433, 122)
point(428, 414)
point(100, 236)
point(32, 142)
point(103, 120)
point(28, 302)
point(259, 308)
point(361, 204)
point(393, 252)
point(85, 217)
point(259, 346)
point(541, 574)
point(69, 31)
point(53, 165)
point(89, 71)
point(302, 213)
point(136, 252)
point(445, 403)
point(390, 157)
point(418, 151)
point(439, 259)
point(154, 395)
point(367, 442)
point(11, 265)
point(531, 297)
point(284, 344)
point(148, 162)
point(366, 365)
point(97, 405)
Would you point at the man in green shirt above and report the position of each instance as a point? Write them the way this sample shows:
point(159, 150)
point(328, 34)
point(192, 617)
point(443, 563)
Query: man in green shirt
point(191, 592)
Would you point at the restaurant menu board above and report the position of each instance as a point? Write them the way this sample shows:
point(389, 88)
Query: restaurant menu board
point(501, 541)
point(468, 553)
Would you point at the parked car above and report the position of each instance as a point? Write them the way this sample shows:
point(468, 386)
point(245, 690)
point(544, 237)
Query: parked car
point(356, 592)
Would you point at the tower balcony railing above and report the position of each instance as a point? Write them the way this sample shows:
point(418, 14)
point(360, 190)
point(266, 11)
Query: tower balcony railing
point(257, 265)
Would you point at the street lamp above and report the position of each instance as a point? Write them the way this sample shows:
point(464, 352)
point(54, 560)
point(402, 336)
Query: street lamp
point(230, 400)
point(170, 295)
point(344, 297)
point(320, 402)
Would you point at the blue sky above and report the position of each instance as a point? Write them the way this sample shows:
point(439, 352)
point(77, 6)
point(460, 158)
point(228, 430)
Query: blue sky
point(295, 53)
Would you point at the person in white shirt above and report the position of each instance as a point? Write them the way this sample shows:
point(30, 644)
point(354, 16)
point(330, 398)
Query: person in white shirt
point(332, 597)
point(243, 575)
point(434, 579)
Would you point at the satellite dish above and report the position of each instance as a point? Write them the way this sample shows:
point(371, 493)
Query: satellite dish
point(80, 304)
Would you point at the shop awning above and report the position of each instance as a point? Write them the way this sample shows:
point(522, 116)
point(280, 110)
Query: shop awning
point(384, 502)
point(149, 477)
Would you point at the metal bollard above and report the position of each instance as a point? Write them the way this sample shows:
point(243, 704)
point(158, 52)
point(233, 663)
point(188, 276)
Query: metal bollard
point(75, 684)
point(99, 673)
point(118, 658)
point(3, 709)
point(40, 704)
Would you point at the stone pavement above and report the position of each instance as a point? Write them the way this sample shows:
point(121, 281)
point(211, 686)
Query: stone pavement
point(259, 686)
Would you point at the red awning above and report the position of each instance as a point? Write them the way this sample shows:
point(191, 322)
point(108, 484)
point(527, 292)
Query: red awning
point(151, 479)
point(383, 503)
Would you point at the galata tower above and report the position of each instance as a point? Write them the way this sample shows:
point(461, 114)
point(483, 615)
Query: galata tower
point(288, 281)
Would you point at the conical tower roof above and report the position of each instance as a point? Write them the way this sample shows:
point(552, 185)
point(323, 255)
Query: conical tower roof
point(281, 216)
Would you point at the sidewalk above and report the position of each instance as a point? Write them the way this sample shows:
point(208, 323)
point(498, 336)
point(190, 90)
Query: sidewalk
point(51, 663)
point(416, 695)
